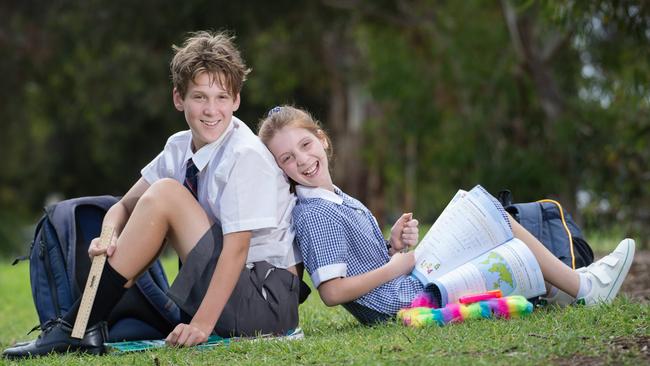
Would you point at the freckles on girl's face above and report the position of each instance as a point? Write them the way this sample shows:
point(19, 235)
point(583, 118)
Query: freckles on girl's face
point(301, 155)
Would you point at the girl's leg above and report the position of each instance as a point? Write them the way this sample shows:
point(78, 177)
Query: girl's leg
point(596, 284)
point(166, 210)
point(554, 271)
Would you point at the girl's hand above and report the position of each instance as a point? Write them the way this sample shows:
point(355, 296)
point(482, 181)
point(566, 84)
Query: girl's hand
point(404, 233)
point(402, 263)
point(187, 335)
point(94, 249)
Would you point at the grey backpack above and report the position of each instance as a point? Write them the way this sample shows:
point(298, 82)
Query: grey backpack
point(553, 226)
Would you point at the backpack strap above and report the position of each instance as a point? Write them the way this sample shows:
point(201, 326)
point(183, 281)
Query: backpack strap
point(31, 245)
point(19, 259)
point(153, 285)
point(505, 197)
point(568, 232)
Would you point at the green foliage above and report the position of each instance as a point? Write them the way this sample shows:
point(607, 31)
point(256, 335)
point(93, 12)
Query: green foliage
point(452, 89)
point(15, 235)
point(472, 106)
point(449, 99)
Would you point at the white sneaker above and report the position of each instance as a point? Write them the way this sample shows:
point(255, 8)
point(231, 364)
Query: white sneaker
point(607, 274)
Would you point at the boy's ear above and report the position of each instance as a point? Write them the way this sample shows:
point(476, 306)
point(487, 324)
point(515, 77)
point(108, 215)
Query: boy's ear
point(178, 100)
point(236, 102)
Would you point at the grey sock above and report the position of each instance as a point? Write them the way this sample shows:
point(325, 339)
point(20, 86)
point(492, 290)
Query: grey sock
point(552, 291)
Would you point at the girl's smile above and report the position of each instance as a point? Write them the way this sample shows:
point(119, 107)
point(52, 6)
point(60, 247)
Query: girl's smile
point(311, 171)
point(302, 156)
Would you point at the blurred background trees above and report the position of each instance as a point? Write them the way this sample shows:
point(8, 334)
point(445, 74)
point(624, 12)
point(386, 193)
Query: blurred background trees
point(421, 97)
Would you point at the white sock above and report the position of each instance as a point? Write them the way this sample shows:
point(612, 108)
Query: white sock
point(585, 286)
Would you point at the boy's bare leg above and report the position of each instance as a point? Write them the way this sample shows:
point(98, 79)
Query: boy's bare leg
point(166, 210)
point(554, 271)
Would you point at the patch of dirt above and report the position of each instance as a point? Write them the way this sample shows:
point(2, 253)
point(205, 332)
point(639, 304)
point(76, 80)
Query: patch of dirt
point(624, 344)
point(618, 348)
point(579, 360)
point(637, 283)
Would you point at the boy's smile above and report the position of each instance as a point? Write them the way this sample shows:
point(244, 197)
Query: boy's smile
point(302, 156)
point(208, 108)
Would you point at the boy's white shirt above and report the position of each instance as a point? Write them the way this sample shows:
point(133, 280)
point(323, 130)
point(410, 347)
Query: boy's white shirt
point(240, 186)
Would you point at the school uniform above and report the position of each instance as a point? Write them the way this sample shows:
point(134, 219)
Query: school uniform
point(339, 237)
point(241, 188)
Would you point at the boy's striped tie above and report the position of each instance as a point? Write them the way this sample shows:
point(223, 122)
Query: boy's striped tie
point(192, 178)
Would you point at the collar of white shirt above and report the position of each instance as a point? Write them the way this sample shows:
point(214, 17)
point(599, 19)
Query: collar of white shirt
point(202, 157)
point(317, 192)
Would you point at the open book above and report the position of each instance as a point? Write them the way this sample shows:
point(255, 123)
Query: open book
point(471, 249)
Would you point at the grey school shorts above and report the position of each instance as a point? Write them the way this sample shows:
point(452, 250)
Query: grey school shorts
point(264, 301)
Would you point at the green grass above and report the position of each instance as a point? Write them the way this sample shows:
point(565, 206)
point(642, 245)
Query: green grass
point(614, 334)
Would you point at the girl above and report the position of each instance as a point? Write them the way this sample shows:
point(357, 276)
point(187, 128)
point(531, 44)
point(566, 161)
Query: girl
point(349, 260)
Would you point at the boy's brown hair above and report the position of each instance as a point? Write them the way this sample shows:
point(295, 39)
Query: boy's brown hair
point(211, 52)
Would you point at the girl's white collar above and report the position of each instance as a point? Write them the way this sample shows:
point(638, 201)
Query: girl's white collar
point(317, 192)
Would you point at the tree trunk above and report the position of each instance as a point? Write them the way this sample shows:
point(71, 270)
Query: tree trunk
point(535, 56)
point(346, 116)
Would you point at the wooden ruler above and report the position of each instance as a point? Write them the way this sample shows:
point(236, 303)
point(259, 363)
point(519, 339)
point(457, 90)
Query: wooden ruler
point(92, 283)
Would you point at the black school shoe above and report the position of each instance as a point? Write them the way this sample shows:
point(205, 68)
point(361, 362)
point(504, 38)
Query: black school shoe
point(56, 338)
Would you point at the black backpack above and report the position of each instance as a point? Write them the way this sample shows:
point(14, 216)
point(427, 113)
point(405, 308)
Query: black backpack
point(553, 226)
point(59, 266)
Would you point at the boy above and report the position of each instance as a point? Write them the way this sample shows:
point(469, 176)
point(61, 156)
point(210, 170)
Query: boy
point(217, 196)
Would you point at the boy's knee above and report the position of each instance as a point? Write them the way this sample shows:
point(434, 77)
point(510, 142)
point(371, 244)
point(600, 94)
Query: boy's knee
point(166, 188)
point(162, 192)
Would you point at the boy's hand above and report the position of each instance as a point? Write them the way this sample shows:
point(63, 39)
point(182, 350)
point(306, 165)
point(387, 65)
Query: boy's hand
point(187, 335)
point(94, 248)
point(402, 263)
point(404, 233)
